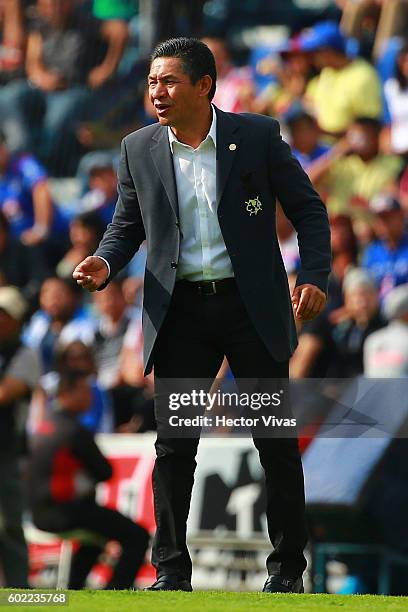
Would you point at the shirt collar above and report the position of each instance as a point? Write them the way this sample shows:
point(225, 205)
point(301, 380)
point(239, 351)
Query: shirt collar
point(211, 134)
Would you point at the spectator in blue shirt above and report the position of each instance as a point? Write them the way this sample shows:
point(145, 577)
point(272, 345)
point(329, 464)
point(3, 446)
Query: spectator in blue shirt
point(25, 198)
point(387, 257)
point(77, 356)
point(305, 138)
point(60, 320)
point(102, 194)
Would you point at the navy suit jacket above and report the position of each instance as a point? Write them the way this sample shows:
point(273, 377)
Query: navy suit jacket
point(261, 166)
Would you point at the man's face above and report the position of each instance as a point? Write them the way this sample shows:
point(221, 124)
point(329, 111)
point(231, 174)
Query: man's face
point(56, 299)
point(361, 302)
point(298, 62)
point(104, 179)
point(79, 357)
point(305, 136)
point(390, 225)
point(175, 98)
point(81, 235)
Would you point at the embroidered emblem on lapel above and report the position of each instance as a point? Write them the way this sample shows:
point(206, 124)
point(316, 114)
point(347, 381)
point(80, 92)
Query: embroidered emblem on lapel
point(253, 206)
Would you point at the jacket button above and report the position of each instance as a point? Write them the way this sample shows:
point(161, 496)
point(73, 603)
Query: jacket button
point(173, 265)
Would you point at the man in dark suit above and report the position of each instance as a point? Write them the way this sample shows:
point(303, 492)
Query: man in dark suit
point(200, 187)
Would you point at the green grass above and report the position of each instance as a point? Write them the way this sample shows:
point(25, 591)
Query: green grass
point(218, 601)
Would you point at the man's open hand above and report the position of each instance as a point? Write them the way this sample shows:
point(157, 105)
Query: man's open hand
point(308, 301)
point(91, 273)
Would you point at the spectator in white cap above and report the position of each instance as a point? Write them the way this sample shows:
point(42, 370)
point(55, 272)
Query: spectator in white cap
point(387, 257)
point(386, 351)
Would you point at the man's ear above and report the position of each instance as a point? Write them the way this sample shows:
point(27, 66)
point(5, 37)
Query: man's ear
point(205, 84)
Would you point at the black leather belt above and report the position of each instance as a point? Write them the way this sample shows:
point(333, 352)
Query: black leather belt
point(222, 286)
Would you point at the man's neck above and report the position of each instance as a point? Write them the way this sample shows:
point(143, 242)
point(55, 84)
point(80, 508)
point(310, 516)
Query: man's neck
point(195, 132)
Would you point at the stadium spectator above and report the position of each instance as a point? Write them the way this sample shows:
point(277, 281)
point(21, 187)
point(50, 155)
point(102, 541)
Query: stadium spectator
point(386, 351)
point(305, 138)
point(346, 87)
point(235, 90)
point(140, 410)
point(19, 373)
point(396, 97)
point(102, 194)
point(387, 257)
point(354, 170)
point(291, 72)
point(344, 247)
point(335, 350)
point(74, 356)
point(21, 266)
point(12, 59)
point(113, 320)
point(25, 197)
point(316, 110)
point(85, 232)
point(61, 319)
point(116, 319)
point(65, 467)
point(69, 57)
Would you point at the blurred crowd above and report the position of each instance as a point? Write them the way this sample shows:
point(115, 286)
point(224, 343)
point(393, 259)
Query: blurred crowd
point(73, 83)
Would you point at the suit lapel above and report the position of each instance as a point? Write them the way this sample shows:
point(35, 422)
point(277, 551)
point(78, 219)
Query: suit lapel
point(228, 140)
point(163, 161)
point(228, 133)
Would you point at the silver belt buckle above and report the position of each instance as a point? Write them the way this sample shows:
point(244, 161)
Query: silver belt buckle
point(212, 288)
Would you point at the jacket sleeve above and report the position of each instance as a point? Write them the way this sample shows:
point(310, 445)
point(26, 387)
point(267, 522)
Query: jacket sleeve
point(86, 449)
point(304, 208)
point(126, 233)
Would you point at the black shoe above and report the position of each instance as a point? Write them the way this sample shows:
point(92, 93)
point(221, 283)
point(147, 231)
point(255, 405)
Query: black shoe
point(170, 582)
point(283, 584)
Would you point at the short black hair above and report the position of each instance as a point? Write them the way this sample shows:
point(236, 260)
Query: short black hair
point(368, 122)
point(93, 221)
point(300, 117)
point(196, 58)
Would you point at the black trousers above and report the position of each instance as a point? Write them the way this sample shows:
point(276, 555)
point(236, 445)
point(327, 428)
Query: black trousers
point(113, 525)
point(13, 547)
point(196, 334)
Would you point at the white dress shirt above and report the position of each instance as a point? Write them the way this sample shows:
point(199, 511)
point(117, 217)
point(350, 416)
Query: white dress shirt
point(203, 255)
